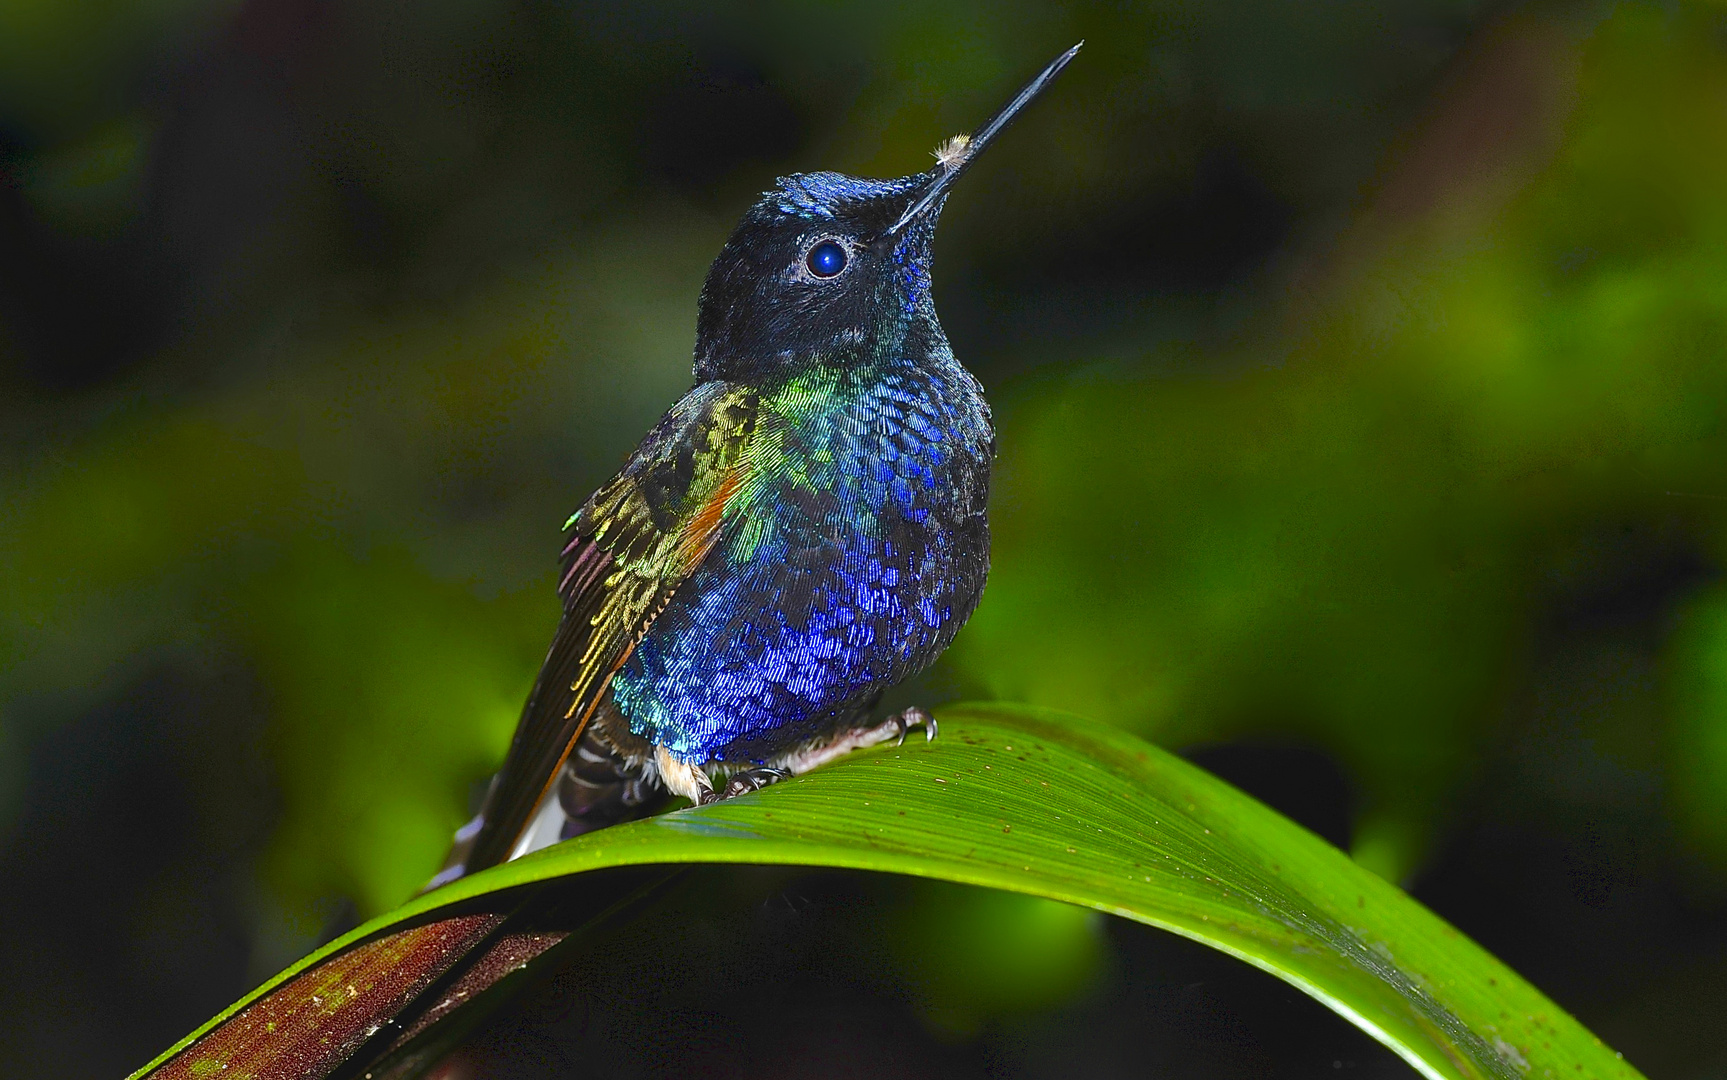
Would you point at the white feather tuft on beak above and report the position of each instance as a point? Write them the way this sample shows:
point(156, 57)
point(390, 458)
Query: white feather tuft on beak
point(952, 153)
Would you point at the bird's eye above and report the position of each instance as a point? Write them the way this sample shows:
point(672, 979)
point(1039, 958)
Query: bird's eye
point(827, 259)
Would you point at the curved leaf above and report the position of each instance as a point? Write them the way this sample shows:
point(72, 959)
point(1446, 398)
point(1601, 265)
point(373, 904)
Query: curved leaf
point(1038, 802)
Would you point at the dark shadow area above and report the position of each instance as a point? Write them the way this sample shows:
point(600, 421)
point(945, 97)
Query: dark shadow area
point(128, 899)
point(782, 973)
point(1299, 782)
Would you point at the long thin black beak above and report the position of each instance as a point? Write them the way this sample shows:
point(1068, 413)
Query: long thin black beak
point(965, 151)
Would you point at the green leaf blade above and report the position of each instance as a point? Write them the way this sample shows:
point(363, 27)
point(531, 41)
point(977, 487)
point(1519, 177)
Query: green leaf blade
point(1037, 802)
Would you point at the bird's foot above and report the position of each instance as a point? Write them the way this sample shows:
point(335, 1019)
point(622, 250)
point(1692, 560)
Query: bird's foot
point(699, 791)
point(894, 729)
point(746, 781)
point(897, 726)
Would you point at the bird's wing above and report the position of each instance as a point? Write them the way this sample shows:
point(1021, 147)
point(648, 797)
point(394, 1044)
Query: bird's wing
point(630, 546)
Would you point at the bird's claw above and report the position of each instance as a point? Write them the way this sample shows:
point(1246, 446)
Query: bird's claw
point(904, 721)
point(742, 783)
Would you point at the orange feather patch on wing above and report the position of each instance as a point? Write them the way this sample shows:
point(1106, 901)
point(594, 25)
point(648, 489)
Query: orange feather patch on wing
point(704, 525)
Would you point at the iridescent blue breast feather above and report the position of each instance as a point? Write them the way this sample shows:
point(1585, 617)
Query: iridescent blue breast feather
point(847, 564)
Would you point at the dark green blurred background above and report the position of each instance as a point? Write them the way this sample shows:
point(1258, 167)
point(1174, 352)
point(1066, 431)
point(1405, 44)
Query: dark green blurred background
point(1361, 375)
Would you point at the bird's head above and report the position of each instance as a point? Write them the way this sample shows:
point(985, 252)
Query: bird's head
point(828, 266)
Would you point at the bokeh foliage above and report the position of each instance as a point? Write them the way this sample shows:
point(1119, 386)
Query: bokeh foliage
point(1363, 528)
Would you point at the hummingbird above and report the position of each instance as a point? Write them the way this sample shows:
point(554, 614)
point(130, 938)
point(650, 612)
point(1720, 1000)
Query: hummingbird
point(805, 528)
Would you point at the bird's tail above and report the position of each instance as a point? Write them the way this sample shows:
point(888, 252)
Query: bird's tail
point(599, 786)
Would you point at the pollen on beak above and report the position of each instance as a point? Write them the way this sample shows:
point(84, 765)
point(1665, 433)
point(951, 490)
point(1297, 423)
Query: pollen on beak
point(953, 153)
